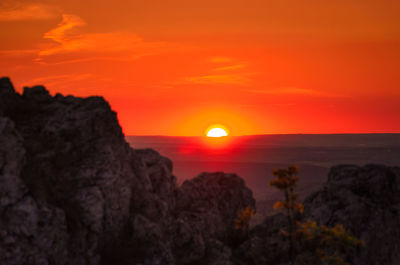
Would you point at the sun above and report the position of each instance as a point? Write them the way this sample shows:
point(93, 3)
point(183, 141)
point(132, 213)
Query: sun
point(217, 131)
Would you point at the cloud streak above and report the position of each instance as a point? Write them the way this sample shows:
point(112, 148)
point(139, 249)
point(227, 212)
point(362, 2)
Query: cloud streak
point(221, 59)
point(57, 79)
point(60, 33)
point(27, 12)
point(227, 72)
point(68, 40)
point(231, 67)
point(294, 91)
point(228, 79)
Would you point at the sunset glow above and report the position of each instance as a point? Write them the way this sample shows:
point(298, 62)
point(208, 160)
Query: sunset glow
point(172, 67)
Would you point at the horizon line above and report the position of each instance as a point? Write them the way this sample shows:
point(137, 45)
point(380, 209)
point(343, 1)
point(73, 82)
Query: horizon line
point(246, 135)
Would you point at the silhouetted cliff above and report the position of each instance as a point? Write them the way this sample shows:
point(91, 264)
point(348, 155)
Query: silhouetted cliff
point(74, 192)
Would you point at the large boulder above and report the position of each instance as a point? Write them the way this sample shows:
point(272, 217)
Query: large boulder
point(206, 209)
point(218, 197)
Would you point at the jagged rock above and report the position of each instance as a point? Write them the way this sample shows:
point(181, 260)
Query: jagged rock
point(7, 93)
point(74, 192)
point(37, 93)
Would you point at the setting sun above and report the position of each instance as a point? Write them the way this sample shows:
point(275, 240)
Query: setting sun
point(217, 132)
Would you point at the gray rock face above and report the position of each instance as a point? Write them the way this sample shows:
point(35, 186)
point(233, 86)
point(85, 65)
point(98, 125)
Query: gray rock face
point(30, 232)
point(74, 192)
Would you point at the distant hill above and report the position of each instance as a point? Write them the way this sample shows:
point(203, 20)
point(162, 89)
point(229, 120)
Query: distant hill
point(254, 157)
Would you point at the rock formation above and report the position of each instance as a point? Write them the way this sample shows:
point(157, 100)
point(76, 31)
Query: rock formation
point(365, 200)
point(72, 191)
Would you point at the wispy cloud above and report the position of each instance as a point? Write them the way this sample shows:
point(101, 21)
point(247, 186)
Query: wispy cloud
point(221, 59)
point(60, 33)
point(66, 77)
point(59, 80)
point(17, 11)
point(69, 39)
point(294, 91)
point(226, 64)
point(225, 71)
point(229, 79)
point(231, 67)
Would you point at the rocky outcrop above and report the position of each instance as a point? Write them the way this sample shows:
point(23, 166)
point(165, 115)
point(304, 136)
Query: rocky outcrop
point(218, 197)
point(365, 200)
point(74, 192)
point(205, 205)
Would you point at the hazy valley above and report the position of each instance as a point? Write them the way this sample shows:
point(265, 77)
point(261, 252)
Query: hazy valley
point(254, 157)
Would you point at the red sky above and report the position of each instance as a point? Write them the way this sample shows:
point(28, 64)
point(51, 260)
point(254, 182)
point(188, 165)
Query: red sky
point(175, 67)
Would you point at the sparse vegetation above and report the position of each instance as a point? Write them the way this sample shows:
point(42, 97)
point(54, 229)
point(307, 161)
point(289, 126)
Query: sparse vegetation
point(242, 227)
point(286, 181)
point(243, 220)
point(324, 244)
point(316, 245)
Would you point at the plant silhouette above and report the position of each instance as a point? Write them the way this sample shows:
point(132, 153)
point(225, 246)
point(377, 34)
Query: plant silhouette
point(316, 245)
point(286, 181)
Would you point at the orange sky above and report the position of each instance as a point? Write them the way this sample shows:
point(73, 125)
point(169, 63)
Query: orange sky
point(176, 67)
